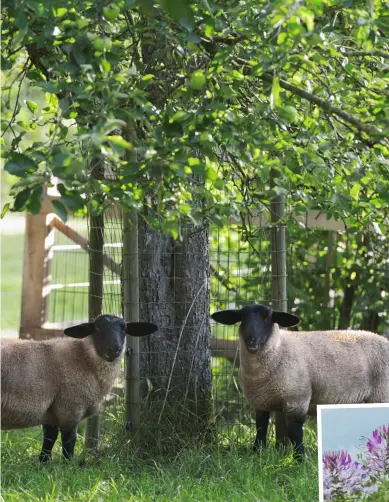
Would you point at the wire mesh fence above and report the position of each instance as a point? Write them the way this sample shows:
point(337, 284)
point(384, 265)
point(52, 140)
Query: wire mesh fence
point(68, 277)
point(334, 279)
point(240, 260)
point(339, 280)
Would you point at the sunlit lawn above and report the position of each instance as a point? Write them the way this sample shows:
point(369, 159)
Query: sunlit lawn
point(12, 248)
point(196, 473)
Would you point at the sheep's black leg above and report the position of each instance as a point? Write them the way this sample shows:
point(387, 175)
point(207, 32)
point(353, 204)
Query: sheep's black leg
point(262, 423)
point(295, 432)
point(50, 434)
point(69, 436)
point(282, 437)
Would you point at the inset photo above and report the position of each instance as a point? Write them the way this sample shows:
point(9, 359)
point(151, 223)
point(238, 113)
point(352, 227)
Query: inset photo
point(353, 450)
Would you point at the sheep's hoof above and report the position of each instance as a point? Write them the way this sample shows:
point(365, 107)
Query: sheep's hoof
point(44, 457)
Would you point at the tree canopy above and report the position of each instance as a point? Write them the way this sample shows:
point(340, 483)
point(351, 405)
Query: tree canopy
point(181, 100)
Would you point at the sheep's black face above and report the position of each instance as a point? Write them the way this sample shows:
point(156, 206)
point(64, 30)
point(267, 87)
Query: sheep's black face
point(256, 323)
point(108, 333)
point(256, 326)
point(109, 336)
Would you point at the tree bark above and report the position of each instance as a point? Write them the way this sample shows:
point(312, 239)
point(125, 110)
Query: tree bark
point(371, 321)
point(174, 294)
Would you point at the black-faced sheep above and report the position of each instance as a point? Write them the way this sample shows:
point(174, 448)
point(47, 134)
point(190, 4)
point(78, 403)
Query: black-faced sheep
point(57, 383)
point(293, 372)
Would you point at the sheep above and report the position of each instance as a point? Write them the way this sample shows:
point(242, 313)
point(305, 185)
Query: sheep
point(57, 383)
point(294, 371)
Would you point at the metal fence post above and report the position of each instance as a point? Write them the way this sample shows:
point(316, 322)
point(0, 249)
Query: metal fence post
point(95, 300)
point(96, 271)
point(279, 287)
point(131, 313)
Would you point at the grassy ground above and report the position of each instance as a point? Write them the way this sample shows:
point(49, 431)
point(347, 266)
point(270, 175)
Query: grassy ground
point(196, 474)
point(115, 474)
point(11, 280)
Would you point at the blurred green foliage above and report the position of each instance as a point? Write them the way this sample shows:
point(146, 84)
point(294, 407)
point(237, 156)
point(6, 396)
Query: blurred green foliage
point(183, 99)
point(199, 101)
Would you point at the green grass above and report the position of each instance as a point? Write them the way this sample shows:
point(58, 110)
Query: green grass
point(12, 249)
point(115, 474)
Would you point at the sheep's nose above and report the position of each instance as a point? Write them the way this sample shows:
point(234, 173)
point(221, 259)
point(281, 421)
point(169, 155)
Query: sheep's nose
point(251, 340)
point(115, 351)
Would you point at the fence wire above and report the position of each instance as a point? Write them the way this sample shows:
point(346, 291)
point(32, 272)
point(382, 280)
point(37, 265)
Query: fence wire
point(334, 279)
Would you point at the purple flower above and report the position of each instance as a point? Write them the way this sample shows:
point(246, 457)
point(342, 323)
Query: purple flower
point(343, 477)
point(377, 455)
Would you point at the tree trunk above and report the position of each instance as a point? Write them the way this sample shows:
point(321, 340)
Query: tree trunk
point(371, 321)
point(347, 305)
point(174, 294)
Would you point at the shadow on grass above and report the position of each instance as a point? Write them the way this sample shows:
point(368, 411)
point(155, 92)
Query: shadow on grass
point(119, 472)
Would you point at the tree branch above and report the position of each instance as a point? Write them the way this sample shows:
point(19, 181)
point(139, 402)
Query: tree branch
point(369, 129)
point(381, 54)
point(223, 281)
point(22, 74)
point(35, 55)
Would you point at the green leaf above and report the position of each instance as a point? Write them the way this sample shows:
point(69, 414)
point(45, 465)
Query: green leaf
point(198, 80)
point(219, 184)
point(106, 66)
point(354, 192)
point(184, 208)
point(119, 141)
point(180, 116)
point(308, 18)
point(60, 210)
point(33, 107)
point(209, 29)
point(72, 200)
point(21, 199)
point(180, 11)
point(289, 113)
point(59, 12)
point(102, 44)
point(275, 99)
point(111, 12)
point(211, 174)
point(147, 77)
point(5, 209)
point(20, 165)
point(48, 87)
point(34, 204)
point(282, 37)
point(32, 180)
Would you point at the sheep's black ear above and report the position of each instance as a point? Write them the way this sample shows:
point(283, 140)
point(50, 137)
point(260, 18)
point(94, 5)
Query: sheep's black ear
point(80, 331)
point(284, 319)
point(227, 316)
point(141, 328)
